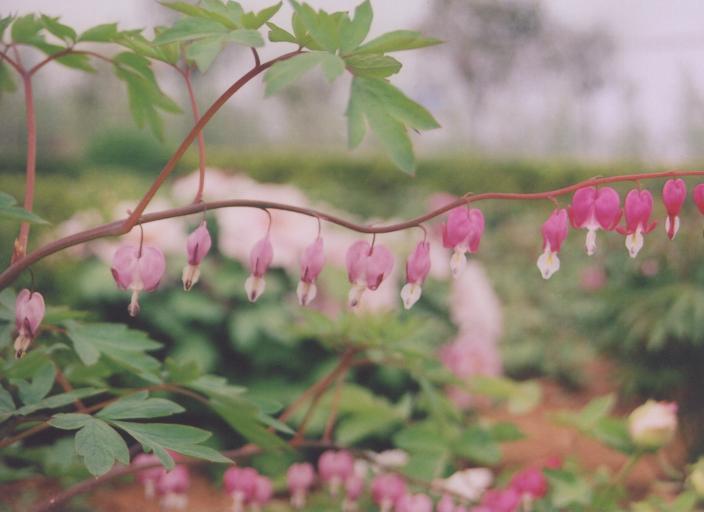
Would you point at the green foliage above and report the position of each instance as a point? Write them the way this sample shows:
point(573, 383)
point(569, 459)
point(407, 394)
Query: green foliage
point(10, 210)
point(288, 71)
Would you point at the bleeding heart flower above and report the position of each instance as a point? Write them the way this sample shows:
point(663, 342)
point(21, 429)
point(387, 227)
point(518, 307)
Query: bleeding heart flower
point(335, 467)
point(698, 197)
point(594, 209)
point(414, 503)
point(197, 246)
point(674, 192)
point(241, 484)
point(312, 262)
point(554, 232)
point(638, 207)
point(387, 490)
point(172, 487)
point(354, 487)
point(263, 492)
point(462, 233)
point(299, 478)
point(530, 482)
point(417, 268)
point(367, 267)
point(259, 260)
point(150, 476)
point(29, 312)
point(137, 269)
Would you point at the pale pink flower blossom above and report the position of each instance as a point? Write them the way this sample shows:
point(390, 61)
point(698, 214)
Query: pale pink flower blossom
point(29, 313)
point(138, 268)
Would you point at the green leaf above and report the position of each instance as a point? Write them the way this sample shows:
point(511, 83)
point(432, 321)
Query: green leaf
point(204, 51)
point(393, 137)
point(353, 32)
point(613, 432)
point(398, 104)
point(7, 82)
point(356, 126)
point(505, 431)
point(100, 445)
point(288, 71)
point(159, 437)
point(4, 23)
point(104, 33)
point(477, 445)
point(56, 401)
point(219, 14)
point(397, 40)
point(25, 29)
point(76, 61)
point(279, 35)
point(322, 27)
point(139, 406)
point(332, 66)
point(41, 384)
point(252, 20)
point(59, 29)
point(244, 418)
point(9, 210)
point(245, 37)
point(7, 404)
point(372, 65)
point(69, 421)
point(188, 29)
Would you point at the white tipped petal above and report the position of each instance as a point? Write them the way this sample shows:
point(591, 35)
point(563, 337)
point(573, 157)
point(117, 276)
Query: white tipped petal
point(634, 243)
point(548, 263)
point(254, 286)
point(667, 227)
point(190, 276)
point(458, 262)
point(410, 293)
point(21, 345)
point(355, 294)
point(133, 308)
point(306, 292)
point(590, 242)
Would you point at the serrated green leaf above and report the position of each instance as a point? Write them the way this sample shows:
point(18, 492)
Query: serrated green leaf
point(354, 31)
point(244, 418)
point(25, 29)
point(322, 27)
point(279, 35)
point(398, 104)
point(356, 126)
point(245, 37)
point(100, 445)
point(69, 421)
point(56, 401)
point(254, 21)
point(397, 40)
point(139, 406)
point(41, 384)
point(55, 27)
point(188, 29)
point(76, 61)
point(104, 33)
point(204, 51)
point(288, 71)
point(372, 65)
point(7, 404)
point(199, 12)
point(394, 139)
point(18, 213)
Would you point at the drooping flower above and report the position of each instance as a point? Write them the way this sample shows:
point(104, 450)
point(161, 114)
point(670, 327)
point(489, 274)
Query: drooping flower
point(593, 209)
point(197, 246)
point(698, 197)
point(387, 490)
point(354, 487)
point(150, 476)
point(653, 424)
point(137, 269)
point(240, 484)
point(530, 482)
point(414, 503)
point(335, 467)
point(299, 478)
point(462, 233)
point(172, 487)
point(312, 261)
point(262, 494)
point(554, 233)
point(674, 192)
point(638, 207)
point(29, 312)
point(367, 266)
point(417, 269)
point(259, 260)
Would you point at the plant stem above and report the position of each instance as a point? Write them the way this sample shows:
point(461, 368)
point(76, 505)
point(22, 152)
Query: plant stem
point(186, 73)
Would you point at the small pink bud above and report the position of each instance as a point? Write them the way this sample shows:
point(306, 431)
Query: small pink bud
point(387, 490)
point(312, 262)
point(259, 260)
point(698, 197)
point(414, 503)
point(653, 424)
point(674, 193)
point(335, 467)
point(29, 312)
point(197, 246)
point(241, 484)
point(638, 207)
point(172, 487)
point(367, 267)
point(150, 476)
point(138, 270)
point(299, 478)
point(594, 209)
point(530, 482)
point(462, 232)
point(417, 269)
point(554, 233)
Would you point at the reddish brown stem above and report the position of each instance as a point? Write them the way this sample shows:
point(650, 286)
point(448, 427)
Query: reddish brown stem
point(186, 73)
point(20, 248)
point(334, 407)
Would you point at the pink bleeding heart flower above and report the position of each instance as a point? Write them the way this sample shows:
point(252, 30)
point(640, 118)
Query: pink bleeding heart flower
point(414, 503)
point(150, 476)
point(29, 312)
point(241, 485)
point(197, 246)
point(554, 232)
point(446, 504)
point(138, 268)
point(501, 500)
point(637, 209)
point(674, 192)
point(417, 269)
point(530, 482)
point(593, 209)
point(354, 487)
point(263, 491)
point(259, 260)
point(172, 486)
point(367, 267)
point(335, 467)
point(299, 478)
point(698, 197)
point(312, 262)
point(387, 490)
point(462, 233)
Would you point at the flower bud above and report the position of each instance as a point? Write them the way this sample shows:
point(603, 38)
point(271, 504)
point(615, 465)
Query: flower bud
point(367, 267)
point(172, 487)
point(137, 269)
point(653, 424)
point(674, 192)
point(197, 246)
point(241, 485)
point(554, 232)
point(462, 232)
point(312, 262)
point(262, 492)
point(299, 478)
point(335, 467)
point(259, 260)
point(29, 312)
point(417, 269)
point(637, 209)
point(150, 476)
point(387, 491)
point(354, 487)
